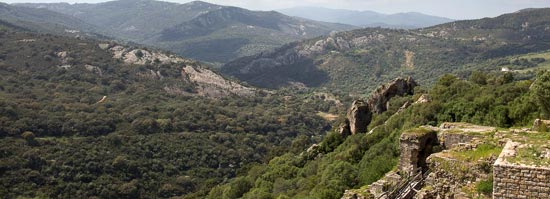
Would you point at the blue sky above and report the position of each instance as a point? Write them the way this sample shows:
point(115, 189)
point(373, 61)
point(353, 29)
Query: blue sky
point(456, 9)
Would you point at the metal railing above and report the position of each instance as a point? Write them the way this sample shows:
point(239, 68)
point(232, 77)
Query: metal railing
point(404, 188)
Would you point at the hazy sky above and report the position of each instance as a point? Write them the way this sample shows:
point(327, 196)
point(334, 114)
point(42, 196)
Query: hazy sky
point(456, 9)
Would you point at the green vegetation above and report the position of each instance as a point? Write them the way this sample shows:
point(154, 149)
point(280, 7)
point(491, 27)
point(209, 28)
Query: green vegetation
point(364, 158)
point(541, 92)
point(482, 151)
point(199, 30)
point(375, 56)
point(485, 186)
point(58, 141)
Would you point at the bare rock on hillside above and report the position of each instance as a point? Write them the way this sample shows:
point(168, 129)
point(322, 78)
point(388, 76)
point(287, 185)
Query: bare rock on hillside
point(359, 117)
point(399, 87)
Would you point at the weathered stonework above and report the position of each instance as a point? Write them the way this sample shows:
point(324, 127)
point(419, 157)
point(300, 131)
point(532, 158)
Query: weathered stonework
point(457, 134)
point(415, 146)
point(452, 140)
point(519, 181)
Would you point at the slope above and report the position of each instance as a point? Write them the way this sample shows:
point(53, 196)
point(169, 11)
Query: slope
point(354, 61)
point(408, 20)
point(340, 163)
point(180, 27)
point(100, 119)
point(43, 20)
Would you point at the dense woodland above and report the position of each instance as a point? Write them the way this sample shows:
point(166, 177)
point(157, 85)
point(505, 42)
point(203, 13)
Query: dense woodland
point(58, 139)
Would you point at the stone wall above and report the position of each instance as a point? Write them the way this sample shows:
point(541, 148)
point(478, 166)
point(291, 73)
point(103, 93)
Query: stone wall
point(519, 181)
point(415, 146)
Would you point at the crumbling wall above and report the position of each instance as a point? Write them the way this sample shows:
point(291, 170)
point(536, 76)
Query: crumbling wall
point(519, 181)
point(415, 146)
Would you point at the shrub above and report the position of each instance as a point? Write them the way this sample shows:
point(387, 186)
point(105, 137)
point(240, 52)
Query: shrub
point(485, 186)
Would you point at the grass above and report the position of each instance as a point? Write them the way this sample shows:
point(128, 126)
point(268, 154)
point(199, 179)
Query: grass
point(543, 65)
point(482, 151)
point(531, 155)
point(418, 131)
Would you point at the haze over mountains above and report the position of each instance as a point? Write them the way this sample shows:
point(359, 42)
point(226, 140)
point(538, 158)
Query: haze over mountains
point(198, 30)
point(84, 115)
point(42, 20)
point(409, 20)
point(348, 60)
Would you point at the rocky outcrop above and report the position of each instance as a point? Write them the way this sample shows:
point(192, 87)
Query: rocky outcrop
point(360, 114)
point(344, 129)
point(213, 85)
point(205, 82)
point(359, 117)
point(425, 98)
point(399, 87)
point(141, 56)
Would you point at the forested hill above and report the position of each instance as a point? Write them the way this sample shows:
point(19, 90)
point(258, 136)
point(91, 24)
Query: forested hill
point(358, 60)
point(199, 30)
point(98, 119)
point(46, 21)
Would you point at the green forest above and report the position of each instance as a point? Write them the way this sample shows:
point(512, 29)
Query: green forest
point(76, 121)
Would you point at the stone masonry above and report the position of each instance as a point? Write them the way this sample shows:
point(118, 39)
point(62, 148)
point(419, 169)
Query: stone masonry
point(519, 181)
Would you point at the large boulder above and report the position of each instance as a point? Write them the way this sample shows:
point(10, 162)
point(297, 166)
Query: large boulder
point(359, 117)
point(399, 87)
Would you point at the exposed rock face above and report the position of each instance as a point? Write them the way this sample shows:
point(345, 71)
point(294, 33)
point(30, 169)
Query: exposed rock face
point(425, 98)
point(213, 85)
point(207, 83)
point(344, 130)
point(359, 117)
point(142, 56)
point(399, 87)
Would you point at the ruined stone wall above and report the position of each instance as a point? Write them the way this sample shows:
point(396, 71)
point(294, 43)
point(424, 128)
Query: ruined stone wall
point(519, 181)
point(512, 181)
point(451, 140)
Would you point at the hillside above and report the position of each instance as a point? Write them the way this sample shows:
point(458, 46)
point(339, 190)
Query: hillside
point(356, 61)
point(100, 119)
point(410, 20)
point(435, 134)
point(45, 21)
point(198, 30)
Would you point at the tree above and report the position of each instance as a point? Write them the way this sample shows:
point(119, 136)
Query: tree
point(29, 136)
point(478, 77)
point(541, 93)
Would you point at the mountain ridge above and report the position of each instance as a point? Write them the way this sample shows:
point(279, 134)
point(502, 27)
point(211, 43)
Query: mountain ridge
point(158, 24)
point(367, 18)
point(377, 55)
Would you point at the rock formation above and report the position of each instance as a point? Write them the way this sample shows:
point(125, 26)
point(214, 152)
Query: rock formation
point(359, 117)
point(399, 87)
point(213, 85)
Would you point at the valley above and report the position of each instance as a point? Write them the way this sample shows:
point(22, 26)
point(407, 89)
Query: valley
point(198, 100)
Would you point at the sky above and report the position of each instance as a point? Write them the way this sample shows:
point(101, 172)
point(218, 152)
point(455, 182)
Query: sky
point(455, 9)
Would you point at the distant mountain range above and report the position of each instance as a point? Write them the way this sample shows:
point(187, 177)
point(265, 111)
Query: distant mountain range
point(409, 20)
point(46, 21)
point(198, 30)
point(356, 61)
